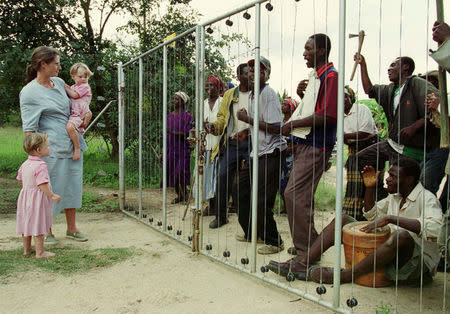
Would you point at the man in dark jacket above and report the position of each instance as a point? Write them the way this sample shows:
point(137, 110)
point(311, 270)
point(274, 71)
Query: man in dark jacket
point(403, 103)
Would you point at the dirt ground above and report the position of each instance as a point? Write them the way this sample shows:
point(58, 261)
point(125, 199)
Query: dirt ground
point(168, 277)
point(165, 278)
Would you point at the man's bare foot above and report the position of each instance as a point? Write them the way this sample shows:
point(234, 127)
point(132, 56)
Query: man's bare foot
point(28, 252)
point(325, 274)
point(45, 255)
point(76, 154)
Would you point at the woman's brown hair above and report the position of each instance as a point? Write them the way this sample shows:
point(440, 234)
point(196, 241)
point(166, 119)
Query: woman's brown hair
point(42, 53)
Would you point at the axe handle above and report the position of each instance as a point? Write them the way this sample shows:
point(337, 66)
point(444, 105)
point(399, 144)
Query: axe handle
point(355, 65)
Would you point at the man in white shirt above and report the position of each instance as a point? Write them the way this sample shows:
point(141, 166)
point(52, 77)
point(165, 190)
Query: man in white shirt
point(271, 154)
point(412, 213)
point(359, 132)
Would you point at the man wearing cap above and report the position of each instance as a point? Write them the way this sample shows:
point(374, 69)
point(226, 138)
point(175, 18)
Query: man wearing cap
point(234, 144)
point(271, 153)
point(314, 122)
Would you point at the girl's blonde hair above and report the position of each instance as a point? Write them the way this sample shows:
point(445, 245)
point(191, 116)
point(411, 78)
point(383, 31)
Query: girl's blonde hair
point(33, 141)
point(74, 69)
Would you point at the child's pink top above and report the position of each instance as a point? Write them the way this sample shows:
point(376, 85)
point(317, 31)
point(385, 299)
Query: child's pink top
point(34, 208)
point(80, 106)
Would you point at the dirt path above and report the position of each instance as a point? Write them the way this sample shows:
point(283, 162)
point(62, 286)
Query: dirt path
point(165, 278)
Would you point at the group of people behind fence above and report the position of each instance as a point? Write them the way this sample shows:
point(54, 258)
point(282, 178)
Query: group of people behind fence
point(295, 143)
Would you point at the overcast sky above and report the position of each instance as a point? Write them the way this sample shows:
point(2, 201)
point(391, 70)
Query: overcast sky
point(392, 27)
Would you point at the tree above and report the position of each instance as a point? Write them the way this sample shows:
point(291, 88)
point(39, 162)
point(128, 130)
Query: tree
point(77, 28)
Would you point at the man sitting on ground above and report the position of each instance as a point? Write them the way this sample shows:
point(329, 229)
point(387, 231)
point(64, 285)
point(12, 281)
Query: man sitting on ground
point(415, 204)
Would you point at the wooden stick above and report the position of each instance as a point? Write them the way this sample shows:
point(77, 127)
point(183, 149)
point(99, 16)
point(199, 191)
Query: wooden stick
point(443, 87)
point(361, 40)
point(189, 199)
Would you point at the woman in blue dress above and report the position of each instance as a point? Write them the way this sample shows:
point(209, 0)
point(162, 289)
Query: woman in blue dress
point(45, 108)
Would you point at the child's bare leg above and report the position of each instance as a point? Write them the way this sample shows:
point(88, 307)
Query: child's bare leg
point(73, 134)
point(27, 250)
point(39, 244)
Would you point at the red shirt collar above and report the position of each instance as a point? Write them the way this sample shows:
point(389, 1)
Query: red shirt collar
point(324, 68)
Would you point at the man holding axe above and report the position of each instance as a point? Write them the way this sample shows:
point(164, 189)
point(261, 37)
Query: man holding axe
point(403, 103)
point(360, 36)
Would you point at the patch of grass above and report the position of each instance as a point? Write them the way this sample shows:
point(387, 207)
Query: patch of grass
point(324, 199)
point(9, 192)
point(68, 260)
point(98, 169)
point(383, 308)
point(92, 203)
point(10, 189)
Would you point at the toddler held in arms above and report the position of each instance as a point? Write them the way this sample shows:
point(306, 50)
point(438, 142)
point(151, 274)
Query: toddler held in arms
point(81, 95)
point(34, 205)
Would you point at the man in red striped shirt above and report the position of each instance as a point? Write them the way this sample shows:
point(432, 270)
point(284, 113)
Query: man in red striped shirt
point(312, 154)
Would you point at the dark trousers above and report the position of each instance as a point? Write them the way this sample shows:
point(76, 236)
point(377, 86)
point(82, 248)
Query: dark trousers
point(268, 182)
point(433, 169)
point(228, 163)
point(309, 164)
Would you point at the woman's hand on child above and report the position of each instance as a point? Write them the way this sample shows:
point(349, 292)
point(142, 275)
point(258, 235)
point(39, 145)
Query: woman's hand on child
point(56, 198)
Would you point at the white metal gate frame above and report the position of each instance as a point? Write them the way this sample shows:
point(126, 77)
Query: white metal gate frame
point(200, 56)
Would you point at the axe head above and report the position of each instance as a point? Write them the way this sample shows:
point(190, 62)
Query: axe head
point(360, 34)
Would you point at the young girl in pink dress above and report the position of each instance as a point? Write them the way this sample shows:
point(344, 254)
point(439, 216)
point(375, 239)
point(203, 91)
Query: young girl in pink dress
point(81, 95)
point(34, 205)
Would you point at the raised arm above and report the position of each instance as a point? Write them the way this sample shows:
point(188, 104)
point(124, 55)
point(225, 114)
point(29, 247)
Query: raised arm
point(367, 84)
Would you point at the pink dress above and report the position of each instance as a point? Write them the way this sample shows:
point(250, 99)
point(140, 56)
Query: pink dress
point(34, 208)
point(80, 106)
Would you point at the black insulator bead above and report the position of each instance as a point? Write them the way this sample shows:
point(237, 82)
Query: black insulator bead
point(178, 232)
point(247, 16)
point(209, 30)
point(226, 254)
point(269, 7)
point(244, 260)
point(321, 290)
point(169, 227)
point(208, 247)
point(290, 277)
point(352, 302)
point(229, 22)
point(150, 220)
point(264, 269)
point(126, 207)
point(189, 238)
point(144, 215)
point(136, 212)
point(159, 223)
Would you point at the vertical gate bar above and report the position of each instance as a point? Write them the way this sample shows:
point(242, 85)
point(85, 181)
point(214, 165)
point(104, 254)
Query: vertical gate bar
point(255, 135)
point(340, 151)
point(201, 113)
point(164, 204)
point(120, 109)
point(197, 245)
point(141, 83)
